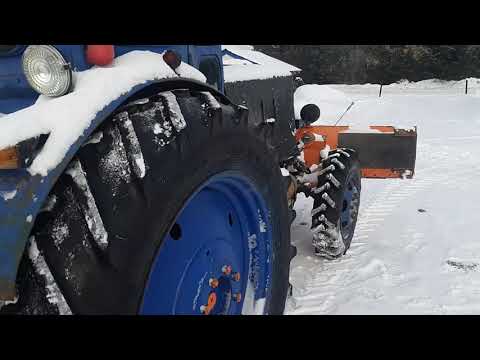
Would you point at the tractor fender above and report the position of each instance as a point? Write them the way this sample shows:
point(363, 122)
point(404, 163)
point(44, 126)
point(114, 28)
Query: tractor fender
point(25, 195)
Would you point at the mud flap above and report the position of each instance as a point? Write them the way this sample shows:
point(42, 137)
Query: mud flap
point(383, 154)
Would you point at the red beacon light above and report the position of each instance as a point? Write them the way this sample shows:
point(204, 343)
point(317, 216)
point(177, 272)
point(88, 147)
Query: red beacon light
point(100, 55)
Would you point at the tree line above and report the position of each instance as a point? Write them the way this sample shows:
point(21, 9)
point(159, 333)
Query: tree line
point(378, 64)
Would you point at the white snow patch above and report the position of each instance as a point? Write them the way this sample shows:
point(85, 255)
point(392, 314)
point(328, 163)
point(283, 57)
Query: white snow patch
point(257, 66)
point(361, 129)
point(253, 72)
point(8, 195)
point(211, 101)
point(238, 47)
point(285, 172)
point(133, 149)
point(176, 116)
point(261, 223)
point(54, 295)
point(301, 157)
point(157, 129)
point(90, 210)
point(140, 166)
point(332, 103)
point(66, 118)
point(250, 305)
point(259, 306)
point(189, 72)
point(324, 152)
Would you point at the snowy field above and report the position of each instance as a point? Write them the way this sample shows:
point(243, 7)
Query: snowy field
point(402, 260)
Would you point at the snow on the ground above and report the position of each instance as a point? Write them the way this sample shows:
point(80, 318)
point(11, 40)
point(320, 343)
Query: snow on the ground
point(416, 248)
point(332, 102)
point(66, 118)
point(425, 87)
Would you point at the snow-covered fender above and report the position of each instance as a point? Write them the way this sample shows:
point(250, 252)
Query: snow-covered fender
point(23, 195)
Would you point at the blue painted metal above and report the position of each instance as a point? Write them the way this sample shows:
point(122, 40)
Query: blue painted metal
point(210, 51)
point(17, 215)
point(349, 203)
point(220, 225)
point(16, 93)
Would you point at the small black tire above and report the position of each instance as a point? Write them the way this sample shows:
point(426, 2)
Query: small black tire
point(339, 175)
point(137, 206)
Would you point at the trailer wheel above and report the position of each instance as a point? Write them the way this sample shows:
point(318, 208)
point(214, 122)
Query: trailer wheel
point(336, 203)
point(175, 206)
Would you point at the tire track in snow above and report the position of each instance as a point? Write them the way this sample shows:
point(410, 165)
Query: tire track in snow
point(328, 281)
point(414, 276)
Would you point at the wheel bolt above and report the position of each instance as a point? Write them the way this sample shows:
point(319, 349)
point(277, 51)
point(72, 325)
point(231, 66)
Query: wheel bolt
point(226, 269)
point(213, 283)
point(236, 276)
point(237, 297)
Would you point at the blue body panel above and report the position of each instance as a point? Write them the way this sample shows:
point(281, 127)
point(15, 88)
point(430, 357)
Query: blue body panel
point(15, 92)
point(18, 213)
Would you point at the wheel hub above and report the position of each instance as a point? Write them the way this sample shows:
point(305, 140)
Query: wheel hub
point(224, 292)
point(207, 269)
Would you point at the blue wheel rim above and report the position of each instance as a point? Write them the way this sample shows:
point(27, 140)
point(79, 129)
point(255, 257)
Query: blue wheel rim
point(350, 205)
point(224, 223)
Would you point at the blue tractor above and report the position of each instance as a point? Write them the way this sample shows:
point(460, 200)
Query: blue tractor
point(170, 200)
point(133, 180)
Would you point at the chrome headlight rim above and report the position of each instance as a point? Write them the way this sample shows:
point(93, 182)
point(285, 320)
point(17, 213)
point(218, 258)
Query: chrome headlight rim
point(46, 70)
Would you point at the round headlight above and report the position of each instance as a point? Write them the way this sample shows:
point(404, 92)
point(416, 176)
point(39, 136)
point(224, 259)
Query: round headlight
point(46, 70)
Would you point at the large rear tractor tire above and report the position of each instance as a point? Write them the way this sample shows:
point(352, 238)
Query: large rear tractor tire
point(336, 203)
point(175, 205)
